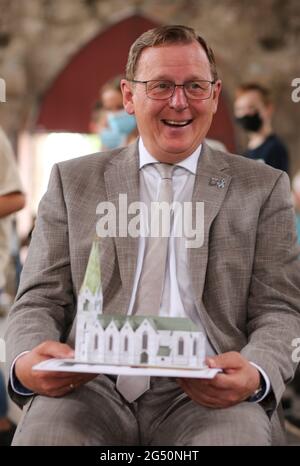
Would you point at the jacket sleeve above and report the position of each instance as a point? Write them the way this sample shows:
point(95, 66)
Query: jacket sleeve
point(274, 295)
point(44, 307)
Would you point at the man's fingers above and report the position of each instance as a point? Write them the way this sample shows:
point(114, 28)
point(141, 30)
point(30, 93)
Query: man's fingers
point(230, 360)
point(53, 380)
point(208, 396)
point(54, 349)
point(56, 375)
point(220, 381)
point(64, 378)
point(224, 381)
point(60, 391)
point(46, 382)
point(214, 387)
point(57, 386)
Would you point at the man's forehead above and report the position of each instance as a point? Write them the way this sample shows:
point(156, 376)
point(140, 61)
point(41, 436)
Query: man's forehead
point(169, 57)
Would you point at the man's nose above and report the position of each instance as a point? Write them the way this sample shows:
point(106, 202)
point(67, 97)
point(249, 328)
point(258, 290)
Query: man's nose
point(178, 99)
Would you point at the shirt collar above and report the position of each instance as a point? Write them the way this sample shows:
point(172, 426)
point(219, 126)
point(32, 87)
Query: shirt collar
point(190, 163)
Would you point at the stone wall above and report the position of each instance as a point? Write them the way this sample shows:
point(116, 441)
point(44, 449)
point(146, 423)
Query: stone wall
point(258, 40)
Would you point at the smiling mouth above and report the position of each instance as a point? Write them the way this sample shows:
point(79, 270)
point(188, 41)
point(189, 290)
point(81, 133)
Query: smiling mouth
point(176, 124)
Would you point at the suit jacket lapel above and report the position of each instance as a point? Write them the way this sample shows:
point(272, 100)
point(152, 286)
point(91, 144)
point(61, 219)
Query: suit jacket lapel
point(211, 173)
point(122, 177)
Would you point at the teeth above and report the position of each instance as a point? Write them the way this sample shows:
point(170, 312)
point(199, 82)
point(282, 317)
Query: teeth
point(177, 123)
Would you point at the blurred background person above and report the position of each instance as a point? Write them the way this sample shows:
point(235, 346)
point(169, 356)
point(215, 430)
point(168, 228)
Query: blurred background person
point(253, 109)
point(111, 96)
point(12, 199)
point(113, 124)
point(97, 119)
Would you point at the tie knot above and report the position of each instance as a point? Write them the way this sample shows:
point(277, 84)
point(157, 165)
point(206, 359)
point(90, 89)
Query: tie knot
point(165, 170)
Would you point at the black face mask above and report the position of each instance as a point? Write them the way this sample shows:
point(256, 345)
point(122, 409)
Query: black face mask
point(250, 122)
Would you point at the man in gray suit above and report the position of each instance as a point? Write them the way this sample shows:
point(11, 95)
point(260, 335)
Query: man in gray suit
point(241, 286)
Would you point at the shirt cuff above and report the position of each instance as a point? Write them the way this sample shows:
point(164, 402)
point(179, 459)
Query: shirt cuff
point(267, 382)
point(14, 381)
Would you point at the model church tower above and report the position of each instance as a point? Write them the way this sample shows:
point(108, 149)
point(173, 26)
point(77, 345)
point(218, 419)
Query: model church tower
point(90, 303)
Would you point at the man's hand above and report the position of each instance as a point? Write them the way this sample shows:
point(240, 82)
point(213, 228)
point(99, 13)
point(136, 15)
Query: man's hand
point(46, 382)
point(238, 381)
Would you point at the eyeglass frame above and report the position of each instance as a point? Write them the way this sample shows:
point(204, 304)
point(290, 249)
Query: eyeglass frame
point(174, 87)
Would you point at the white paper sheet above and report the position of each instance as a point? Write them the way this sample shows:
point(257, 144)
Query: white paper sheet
point(69, 365)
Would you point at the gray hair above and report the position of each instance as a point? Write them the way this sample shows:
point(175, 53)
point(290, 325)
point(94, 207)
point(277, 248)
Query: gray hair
point(167, 35)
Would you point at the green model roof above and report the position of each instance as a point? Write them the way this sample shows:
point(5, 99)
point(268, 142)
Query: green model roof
point(92, 277)
point(158, 323)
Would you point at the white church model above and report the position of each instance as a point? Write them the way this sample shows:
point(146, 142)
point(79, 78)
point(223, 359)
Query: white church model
point(131, 340)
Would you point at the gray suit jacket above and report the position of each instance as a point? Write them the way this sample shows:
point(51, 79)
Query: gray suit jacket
point(246, 276)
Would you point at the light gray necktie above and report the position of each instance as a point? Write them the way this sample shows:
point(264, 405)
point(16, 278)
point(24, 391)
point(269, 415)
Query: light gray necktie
point(151, 283)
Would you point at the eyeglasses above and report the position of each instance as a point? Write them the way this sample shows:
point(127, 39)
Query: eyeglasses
point(160, 89)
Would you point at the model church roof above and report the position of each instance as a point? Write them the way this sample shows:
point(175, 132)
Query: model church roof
point(158, 323)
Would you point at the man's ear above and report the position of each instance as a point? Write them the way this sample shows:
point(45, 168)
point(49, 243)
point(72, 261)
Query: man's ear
point(126, 89)
point(216, 93)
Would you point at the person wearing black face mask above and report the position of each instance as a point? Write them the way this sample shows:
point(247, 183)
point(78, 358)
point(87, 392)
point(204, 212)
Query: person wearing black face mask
point(253, 112)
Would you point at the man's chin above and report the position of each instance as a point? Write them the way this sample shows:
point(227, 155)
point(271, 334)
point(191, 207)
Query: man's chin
point(175, 154)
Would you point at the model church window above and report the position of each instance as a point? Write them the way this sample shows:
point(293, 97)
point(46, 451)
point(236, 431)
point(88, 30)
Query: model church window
point(96, 342)
point(194, 348)
point(126, 344)
point(180, 346)
point(145, 341)
point(86, 305)
point(110, 344)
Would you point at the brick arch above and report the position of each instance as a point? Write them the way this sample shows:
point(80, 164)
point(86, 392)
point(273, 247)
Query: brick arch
point(66, 105)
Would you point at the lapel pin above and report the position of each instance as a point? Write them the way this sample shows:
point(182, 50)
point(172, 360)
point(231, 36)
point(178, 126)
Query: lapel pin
point(213, 181)
point(220, 183)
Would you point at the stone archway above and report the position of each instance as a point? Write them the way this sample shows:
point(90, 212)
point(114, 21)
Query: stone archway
point(67, 104)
